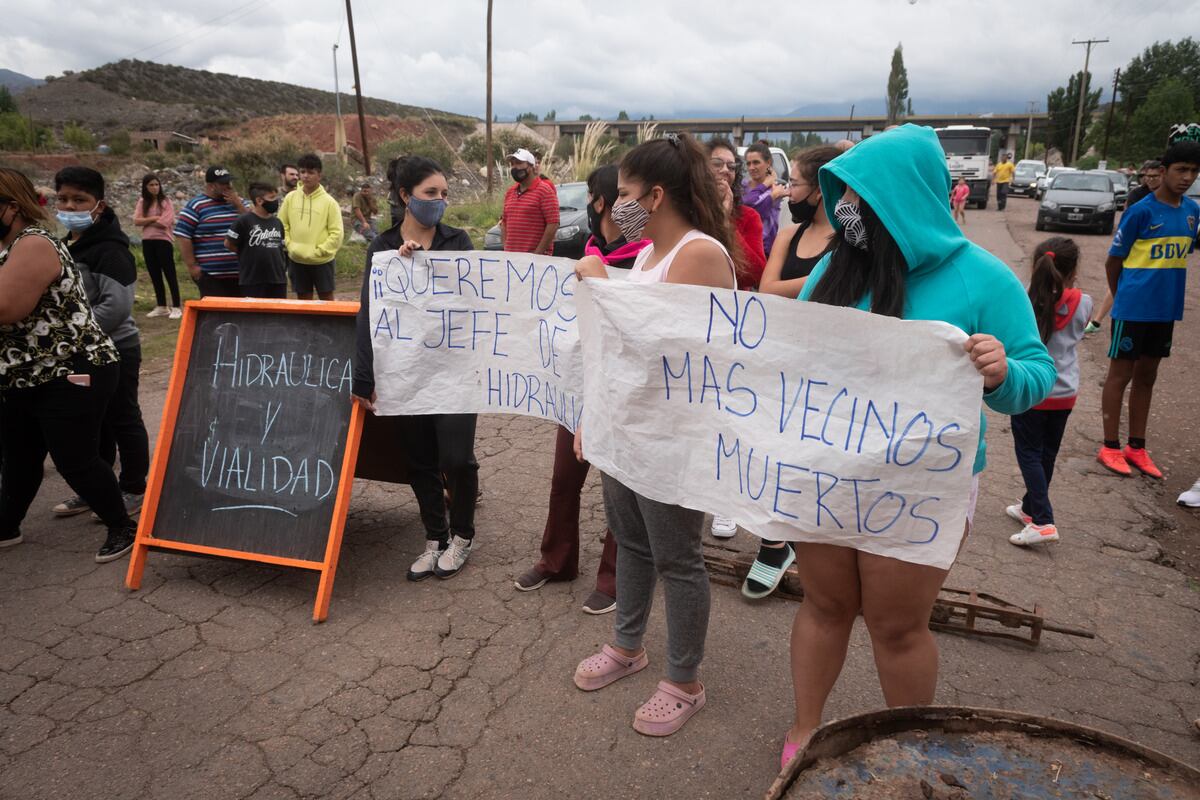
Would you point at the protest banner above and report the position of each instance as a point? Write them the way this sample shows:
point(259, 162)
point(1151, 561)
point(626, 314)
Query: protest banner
point(801, 421)
point(475, 332)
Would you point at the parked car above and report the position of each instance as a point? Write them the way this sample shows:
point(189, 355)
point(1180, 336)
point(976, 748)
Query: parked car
point(573, 230)
point(1120, 182)
point(1025, 175)
point(1044, 180)
point(1079, 200)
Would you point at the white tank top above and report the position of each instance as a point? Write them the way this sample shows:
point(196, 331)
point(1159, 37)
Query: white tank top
point(658, 273)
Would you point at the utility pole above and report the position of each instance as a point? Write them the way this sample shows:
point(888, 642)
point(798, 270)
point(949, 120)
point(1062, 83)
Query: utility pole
point(1112, 105)
point(1084, 82)
point(848, 136)
point(362, 120)
point(487, 136)
point(339, 130)
point(1029, 127)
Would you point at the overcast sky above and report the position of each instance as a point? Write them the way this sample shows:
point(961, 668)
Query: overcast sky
point(583, 56)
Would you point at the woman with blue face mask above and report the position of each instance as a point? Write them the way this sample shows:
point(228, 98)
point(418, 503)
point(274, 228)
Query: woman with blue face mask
point(440, 448)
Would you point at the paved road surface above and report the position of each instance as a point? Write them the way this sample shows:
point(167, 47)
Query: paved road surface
point(211, 682)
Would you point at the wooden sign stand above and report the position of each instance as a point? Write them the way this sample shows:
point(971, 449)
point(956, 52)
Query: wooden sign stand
point(146, 541)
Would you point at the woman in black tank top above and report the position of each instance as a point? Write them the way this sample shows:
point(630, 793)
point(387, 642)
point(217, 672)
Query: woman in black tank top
point(800, 247)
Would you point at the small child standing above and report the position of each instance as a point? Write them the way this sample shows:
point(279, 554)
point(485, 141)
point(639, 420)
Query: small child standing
point(958, 200)
point(1062, 312)
point(257, 238)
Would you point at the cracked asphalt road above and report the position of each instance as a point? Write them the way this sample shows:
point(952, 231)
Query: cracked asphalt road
point(212, 682)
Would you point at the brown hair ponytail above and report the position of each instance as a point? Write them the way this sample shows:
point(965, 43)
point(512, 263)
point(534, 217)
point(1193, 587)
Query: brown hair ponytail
point(1054, 264)
point(680, 166)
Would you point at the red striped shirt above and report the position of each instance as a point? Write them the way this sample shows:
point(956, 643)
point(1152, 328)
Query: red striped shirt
point(526, 215)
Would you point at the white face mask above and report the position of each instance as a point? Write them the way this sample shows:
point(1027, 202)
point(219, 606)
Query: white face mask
point(853, 228)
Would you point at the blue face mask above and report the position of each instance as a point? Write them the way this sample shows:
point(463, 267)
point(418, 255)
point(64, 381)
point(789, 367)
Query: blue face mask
point(77, 221)
point(427, 212)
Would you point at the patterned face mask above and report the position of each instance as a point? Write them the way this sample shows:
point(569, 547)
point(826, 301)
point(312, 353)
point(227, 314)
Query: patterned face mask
point(853, 228)
point(631, 218)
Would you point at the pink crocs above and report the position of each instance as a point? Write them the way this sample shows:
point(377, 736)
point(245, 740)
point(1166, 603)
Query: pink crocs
point(667, 710)
point(607, 666)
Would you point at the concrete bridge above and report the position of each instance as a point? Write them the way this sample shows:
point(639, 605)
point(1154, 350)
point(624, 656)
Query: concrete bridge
point(744, 129)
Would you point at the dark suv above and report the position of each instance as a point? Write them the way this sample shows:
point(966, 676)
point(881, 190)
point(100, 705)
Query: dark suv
point(1078, 200)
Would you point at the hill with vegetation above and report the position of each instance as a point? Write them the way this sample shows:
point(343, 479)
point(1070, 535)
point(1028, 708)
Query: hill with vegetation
point(134, 94)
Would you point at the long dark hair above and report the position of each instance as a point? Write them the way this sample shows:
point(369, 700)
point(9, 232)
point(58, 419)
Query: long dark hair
point(738, 169)
point(881, 270)
point(602, 183)
point(679, 165)
point(148, 200)
point(1054, 263)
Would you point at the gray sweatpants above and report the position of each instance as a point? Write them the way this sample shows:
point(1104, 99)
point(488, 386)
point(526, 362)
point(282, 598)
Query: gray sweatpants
point(659, 540)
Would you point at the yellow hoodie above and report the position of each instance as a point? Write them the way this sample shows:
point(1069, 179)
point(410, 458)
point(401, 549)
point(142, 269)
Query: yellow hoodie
point(312, 226)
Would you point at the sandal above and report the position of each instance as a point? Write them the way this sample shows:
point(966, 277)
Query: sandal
point(767, 576)
point(667, 710)
point(607, 666)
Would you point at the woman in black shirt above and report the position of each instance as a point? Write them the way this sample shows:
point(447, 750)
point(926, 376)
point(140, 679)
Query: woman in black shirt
point(800, 246)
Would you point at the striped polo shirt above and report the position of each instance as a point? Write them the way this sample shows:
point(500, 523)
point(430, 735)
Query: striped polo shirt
point(526, 215)
point(1154, 239)
point(206, 221)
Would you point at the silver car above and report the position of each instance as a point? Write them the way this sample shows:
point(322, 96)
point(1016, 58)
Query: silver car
point(1078, 200)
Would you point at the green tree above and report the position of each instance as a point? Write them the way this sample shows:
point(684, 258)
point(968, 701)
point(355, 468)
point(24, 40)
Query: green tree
point(1061, 107)
point(77, 137)
point(1156, 63)
point(897, 87)
point(528, 116)
point(622, 116)
point(7, 104)
point(550, 116)
point(120, 142)
point(1169, 102)
point(586, 117)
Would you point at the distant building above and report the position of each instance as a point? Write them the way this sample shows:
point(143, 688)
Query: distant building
point(160, 139)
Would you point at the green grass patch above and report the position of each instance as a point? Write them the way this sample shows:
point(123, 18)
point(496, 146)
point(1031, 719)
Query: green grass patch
point(475, 218)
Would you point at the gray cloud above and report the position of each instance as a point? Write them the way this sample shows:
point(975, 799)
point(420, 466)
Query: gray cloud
point(645, 56)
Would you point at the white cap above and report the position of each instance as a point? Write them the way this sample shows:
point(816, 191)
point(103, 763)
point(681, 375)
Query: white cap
point(524, 155)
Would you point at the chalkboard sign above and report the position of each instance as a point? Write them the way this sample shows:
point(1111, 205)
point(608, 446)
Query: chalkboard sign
point(259, 437)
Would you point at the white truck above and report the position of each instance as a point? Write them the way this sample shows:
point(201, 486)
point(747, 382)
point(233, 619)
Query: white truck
point(967, 156)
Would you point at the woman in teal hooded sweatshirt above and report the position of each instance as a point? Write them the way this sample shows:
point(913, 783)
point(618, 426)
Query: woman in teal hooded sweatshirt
point(900, 253)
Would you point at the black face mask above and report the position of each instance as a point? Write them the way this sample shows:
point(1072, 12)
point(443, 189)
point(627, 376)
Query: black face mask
point(271, 206)
point(594, 218)
point(802, 212)
point(519, 174)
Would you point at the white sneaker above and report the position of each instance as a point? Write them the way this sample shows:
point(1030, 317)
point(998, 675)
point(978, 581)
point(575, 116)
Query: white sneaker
point(1035, 534)
point(723, 527)
point(423, 567)
point(1191, 498)
point(159, 311)
point(1016, 513)
point(176, 313)
point(453, 558)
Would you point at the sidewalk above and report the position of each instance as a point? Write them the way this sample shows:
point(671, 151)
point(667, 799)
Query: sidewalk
point(212, 682)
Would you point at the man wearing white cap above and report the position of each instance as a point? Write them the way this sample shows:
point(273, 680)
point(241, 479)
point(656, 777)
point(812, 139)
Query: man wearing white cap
point(530, 215)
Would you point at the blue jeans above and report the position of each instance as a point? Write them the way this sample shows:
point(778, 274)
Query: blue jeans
point(1037, 436)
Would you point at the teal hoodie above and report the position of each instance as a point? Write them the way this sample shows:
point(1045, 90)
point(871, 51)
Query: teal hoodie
point(902, 175)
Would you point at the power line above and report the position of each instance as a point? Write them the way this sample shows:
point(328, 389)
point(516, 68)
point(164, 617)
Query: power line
point(191, 31)
point(195, 35)
point(1083, 87)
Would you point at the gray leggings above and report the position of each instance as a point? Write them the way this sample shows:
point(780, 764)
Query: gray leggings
point(655, 539)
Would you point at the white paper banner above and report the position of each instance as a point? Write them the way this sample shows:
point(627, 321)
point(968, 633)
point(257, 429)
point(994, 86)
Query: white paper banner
point(803, 422)
point(476, 332)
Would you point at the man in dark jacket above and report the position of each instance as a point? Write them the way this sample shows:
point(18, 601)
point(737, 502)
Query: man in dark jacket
point(101, 251)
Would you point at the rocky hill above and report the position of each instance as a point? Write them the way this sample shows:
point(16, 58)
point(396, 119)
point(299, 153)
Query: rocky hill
point(141, 95)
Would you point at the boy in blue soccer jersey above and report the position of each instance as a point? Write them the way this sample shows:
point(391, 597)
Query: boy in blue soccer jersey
point(1146, 270)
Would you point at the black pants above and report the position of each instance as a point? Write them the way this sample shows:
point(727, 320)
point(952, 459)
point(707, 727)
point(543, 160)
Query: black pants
point(160, 263)
point(1037, 436)
point(1001, 195)
point(218, 287)
point(61, 419)
point(269, 291)
point(440, 445)
point(123, 429)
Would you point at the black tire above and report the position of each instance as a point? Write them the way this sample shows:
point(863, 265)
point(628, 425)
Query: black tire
point(983, 203)
point(1040, 225)
point(1107, 227)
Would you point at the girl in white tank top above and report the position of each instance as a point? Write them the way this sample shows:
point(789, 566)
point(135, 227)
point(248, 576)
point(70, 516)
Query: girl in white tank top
point(658, 273)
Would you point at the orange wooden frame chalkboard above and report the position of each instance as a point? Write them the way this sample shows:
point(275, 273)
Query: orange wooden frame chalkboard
point(146, 542)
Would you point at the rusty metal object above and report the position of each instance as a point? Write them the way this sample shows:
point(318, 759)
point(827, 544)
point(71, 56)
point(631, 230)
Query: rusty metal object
point(958, 752)
point(956, 611)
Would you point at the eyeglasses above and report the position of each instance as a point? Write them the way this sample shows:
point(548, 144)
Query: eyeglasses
point(798, 184)
point(719, 165)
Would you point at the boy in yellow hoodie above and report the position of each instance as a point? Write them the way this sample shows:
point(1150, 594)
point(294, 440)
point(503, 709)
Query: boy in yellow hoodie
point(312, 230)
